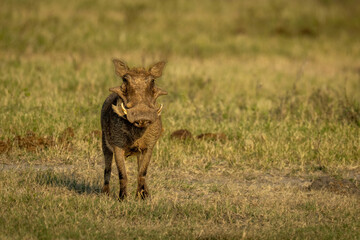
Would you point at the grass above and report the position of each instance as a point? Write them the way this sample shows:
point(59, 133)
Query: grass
point(279, 78)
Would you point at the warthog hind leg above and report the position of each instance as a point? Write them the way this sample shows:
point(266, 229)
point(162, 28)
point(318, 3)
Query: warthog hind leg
point(108, 155)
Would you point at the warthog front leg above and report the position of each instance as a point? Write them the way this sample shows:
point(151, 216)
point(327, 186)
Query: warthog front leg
point(120, 163)
point(143, 163)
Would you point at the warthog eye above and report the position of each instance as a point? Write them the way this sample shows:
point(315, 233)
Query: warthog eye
point(125, 83)
point(125, 78)
point(123, 88)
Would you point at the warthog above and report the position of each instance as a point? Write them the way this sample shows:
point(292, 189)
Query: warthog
point(131, 123)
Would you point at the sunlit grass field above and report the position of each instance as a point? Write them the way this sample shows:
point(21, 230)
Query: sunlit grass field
point(281, 79)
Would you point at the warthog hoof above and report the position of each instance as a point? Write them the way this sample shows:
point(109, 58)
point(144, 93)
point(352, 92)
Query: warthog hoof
point(106, 190)
point(122, 194)
point(143, 194)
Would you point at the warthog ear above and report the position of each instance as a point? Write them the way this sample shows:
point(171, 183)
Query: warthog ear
point(159, 92)
point(118, 91)
point(156, 69)
point(120, 67)
point(115, 90)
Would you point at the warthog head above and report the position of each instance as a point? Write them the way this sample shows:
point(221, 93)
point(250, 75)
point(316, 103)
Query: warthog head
point(139, 93)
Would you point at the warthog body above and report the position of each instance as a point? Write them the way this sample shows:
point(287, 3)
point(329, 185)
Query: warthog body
point(131, 123)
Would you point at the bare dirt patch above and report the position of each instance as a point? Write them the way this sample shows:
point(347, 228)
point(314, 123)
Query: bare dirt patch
point(181, 134)
point(40, 167)
point(67, 135)
point(32, 142)
point(5, 146)
point(184, 134)
point(339, 186)
point(217, 182)
point(212, 136)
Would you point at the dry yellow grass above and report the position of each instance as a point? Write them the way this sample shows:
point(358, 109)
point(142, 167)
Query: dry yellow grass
point(280, 79)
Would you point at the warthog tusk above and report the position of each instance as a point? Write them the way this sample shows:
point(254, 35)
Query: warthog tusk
point(123, 108)
point(159, 110)
point(116, 110)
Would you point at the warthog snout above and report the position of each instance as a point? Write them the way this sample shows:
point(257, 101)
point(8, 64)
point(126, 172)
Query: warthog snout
point(142, 123)
point(141, 118)
point(141, 115)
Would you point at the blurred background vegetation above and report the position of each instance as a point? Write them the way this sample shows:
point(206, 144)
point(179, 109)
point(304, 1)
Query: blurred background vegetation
point(197, 29)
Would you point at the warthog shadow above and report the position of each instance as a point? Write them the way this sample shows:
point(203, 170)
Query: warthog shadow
point(68, 180)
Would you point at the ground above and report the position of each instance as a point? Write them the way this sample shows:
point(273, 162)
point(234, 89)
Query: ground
point(271, 86)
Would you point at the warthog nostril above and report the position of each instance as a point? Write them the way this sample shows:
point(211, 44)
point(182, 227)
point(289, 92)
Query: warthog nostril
point(142, 123)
